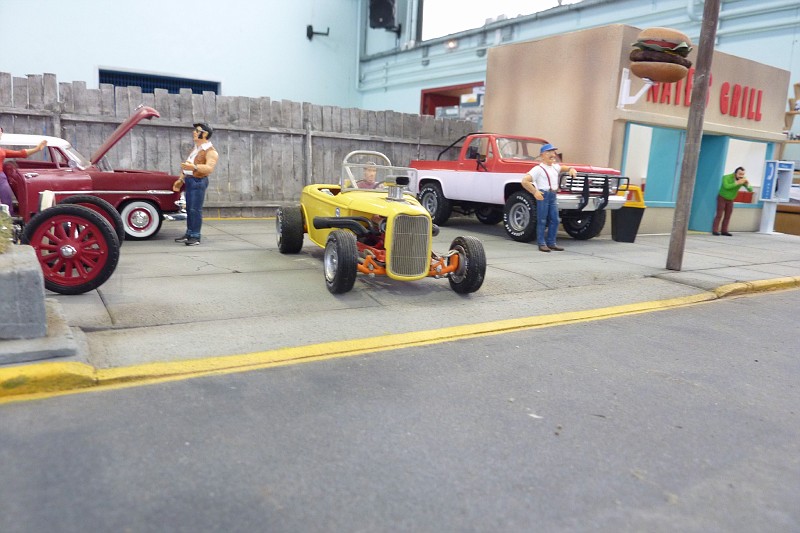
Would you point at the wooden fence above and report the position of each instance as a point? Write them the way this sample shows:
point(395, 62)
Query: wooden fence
point(268, 149)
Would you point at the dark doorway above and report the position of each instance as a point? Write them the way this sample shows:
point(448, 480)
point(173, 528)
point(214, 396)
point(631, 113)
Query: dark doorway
point(444, 96)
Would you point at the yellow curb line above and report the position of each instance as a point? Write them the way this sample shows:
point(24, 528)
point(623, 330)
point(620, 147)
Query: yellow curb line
point(48, 379)
point(764, 285)
point(45, 377)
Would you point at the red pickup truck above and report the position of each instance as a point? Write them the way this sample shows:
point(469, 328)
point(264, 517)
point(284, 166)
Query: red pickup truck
point(486, 180)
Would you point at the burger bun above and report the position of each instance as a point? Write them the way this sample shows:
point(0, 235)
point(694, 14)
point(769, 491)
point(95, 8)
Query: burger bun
point(660, 72)
point(663, 34)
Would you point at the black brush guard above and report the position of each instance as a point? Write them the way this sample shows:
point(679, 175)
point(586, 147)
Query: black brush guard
point(588, 184)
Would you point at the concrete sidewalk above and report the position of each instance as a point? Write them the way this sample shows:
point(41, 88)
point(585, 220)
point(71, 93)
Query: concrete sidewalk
point(235, 301)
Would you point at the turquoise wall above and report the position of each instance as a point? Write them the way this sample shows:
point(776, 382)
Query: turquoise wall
point(710, 168)
point(664, 167)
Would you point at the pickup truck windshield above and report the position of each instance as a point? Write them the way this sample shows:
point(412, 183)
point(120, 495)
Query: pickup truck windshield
point(520, 149)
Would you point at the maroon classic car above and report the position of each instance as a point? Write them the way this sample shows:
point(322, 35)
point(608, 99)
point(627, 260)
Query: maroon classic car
point(141, 197)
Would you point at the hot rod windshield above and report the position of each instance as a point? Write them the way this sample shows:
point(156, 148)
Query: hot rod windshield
point(370, 176)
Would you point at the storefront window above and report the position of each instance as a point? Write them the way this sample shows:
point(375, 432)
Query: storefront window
point(750, 155)
point(653, 161)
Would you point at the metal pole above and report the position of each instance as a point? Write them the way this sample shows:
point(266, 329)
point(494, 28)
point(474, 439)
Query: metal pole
point(694, 134)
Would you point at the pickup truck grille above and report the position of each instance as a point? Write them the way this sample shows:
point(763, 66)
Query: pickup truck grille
point(594, 182)
point(411, 241)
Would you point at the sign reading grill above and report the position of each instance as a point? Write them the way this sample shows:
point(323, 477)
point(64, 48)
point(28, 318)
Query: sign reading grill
point(411, 241)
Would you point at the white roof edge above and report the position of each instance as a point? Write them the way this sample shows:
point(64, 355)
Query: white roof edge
point(29, 141)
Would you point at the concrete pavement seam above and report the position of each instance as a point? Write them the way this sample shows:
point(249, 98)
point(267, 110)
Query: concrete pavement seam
point(29, 381)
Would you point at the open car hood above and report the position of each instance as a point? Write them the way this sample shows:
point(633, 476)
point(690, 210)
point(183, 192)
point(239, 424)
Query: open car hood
point(141, 113)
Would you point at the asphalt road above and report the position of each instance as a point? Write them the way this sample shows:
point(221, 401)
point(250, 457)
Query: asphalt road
point(679, 420)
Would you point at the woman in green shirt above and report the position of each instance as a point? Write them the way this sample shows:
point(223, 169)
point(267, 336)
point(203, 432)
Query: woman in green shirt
point(731, 183)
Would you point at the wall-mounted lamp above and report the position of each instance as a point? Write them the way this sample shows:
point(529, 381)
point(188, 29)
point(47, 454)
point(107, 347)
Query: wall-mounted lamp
point(310, 33)
point(451, 45)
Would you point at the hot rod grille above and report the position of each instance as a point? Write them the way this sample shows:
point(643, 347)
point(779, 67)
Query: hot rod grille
point(410, 246)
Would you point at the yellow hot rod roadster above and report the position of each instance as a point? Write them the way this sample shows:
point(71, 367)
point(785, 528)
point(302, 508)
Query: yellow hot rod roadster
point(370, 223)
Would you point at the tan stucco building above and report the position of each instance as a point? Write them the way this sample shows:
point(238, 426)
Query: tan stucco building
point(567, 89)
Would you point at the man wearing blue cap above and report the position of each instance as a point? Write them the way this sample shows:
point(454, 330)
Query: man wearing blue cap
point(542, 182)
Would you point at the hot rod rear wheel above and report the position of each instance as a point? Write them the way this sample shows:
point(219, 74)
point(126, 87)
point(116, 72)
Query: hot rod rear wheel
point(341, 261)
point(471, 265)
point(76, 248)
point(432, 198)
point(100, 206)
point(519, 216)
point(289, 229)
point(141, 219)
point(589, 224)
point(489, 215)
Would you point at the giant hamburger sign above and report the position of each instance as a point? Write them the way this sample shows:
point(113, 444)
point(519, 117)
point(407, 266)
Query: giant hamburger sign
point(659, 54)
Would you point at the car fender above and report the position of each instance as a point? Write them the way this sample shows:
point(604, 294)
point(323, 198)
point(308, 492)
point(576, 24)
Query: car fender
point(62, 182)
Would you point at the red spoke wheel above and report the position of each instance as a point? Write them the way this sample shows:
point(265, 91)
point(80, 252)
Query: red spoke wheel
point(99, 205)
point(76, 247)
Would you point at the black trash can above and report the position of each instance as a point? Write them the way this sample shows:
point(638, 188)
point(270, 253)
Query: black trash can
point(625, 223)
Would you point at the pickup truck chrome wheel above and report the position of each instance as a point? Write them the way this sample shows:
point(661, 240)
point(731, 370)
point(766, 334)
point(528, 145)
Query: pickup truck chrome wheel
point(340, 261)
point(585, 226)
point(433, 200)
point(519, 216)
point(471, 265)
point(141, 219)
point(76, 247)
point(289, 229)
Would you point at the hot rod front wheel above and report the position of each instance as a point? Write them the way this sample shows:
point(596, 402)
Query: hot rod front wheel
point(341, 261)
point(76, 248)
point(471, 265)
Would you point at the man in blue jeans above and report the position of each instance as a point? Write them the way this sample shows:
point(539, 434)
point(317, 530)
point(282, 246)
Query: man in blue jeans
point(542, 182)
point(196, 169)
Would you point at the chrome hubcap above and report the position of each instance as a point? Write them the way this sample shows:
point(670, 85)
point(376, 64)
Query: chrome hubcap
point(519, 217)
point(458, 275)
point(331, 263)
point(429, 203)
point(68, 251)
point(140, 219)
